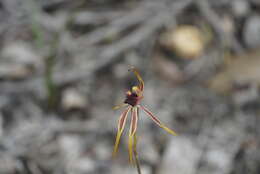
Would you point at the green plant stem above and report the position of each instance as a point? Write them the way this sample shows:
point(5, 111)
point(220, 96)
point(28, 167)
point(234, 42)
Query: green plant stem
point(49, 83)
point(136, 156)
point(35, 26)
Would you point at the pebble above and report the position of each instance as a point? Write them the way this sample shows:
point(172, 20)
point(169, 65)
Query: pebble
point(20, 52)
point(14, 71)
point(19, 60)
point(120, 169)
point(82, 166)
point(72, 99)
point(181, 156)
point(217, 161)
point(240, 8)
point(187, 41)
point(70, 146)
point(87, 18)
point(251, 32)
point(245, 96)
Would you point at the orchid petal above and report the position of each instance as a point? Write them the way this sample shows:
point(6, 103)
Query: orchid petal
point(119, 106)
point(137, 74)
point(121, 126)
point(132, 131)
point(134, 149)
point(130, 148)
point(157, 121)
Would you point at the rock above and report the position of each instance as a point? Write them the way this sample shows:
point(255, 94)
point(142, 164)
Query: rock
point(70, 146)
point(88, 18)
point(72, 99)
point(13, 71)
point(119, 169)
point(245, 94)
point(186, 41)
point(21, 53)
point(146, 169)
point(216, 161)
point(251, 32)
point(73, 149)
point(19, 60)
point(247, 158)
point(228, 24)
point(83, 18)
point(82, 166)
point(240, 8)
point(181, 156)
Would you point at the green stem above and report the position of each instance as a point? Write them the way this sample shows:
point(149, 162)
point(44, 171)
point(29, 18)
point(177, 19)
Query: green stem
point(49, 68)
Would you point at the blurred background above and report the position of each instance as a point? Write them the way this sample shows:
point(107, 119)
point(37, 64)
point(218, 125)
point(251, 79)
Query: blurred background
point(63, 66)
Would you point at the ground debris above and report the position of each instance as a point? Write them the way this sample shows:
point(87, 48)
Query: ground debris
point(79, 52)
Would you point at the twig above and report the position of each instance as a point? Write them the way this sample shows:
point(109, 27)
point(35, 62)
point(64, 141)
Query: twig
point(109, 53)
point(226, 39)
point(143, 32)
point(116, 26)
point(132, 40)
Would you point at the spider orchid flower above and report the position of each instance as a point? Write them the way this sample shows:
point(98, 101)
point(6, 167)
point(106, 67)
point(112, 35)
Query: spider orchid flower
point(132, 104)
